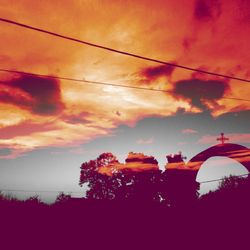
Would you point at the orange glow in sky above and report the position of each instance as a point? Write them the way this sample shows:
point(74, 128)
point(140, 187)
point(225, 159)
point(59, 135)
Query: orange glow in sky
point(40, 112)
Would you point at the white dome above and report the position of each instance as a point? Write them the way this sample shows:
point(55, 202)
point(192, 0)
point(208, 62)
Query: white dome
point(217, 168)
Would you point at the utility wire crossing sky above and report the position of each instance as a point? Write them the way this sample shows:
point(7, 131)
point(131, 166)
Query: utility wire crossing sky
point(119, 51)
point(73, 192)
point(104, 83)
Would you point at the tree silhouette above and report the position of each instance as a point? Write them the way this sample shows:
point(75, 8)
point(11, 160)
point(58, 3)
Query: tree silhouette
point(101, 186)
point(233, 192)
point(178, 188)
point(138, 187)
point(122, 184)
point(138, 184)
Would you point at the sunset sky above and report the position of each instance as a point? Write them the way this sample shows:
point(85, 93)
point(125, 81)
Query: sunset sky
point(48, 127)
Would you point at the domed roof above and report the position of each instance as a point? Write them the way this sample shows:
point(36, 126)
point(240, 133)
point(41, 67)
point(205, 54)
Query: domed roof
point(233, 151)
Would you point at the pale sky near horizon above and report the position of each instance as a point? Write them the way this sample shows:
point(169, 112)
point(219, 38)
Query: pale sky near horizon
point(59, 168)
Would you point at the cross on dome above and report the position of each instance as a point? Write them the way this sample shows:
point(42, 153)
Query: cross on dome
point(222, 138)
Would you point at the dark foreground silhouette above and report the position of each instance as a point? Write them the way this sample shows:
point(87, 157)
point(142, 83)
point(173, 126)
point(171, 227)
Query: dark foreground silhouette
point(220, 218)
point(133, 205)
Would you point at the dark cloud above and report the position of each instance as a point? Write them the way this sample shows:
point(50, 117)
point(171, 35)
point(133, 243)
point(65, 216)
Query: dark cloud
point(153, 73)
point(39, 94)
point(5, 151)
point(206, 10)
point(200, 91)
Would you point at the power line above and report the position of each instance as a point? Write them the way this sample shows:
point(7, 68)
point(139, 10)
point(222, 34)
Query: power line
point(104, 83)
point(120, 51)
point(72, 192)
point(81, 80)
point(38, 191)
point(223, 178)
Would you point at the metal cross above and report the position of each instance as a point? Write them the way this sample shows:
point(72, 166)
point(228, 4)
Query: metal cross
point(222, 138)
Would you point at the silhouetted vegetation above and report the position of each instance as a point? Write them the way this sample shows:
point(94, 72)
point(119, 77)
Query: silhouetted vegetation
point(148, 222)
point(150, 207)
point(233, 193)
point(171, 188)
point(174, 188)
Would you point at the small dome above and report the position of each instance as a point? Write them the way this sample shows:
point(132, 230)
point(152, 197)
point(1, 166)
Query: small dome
point(216, 168)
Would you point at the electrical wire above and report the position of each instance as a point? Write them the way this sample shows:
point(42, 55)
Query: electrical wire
point(73, 192)
point(120, 51)
point(104, 83)
point(223, 178)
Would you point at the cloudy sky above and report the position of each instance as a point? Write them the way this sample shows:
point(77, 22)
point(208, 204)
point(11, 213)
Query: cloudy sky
point(48, 127)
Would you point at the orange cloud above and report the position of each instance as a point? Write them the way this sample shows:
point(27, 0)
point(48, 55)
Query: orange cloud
point(197, 35)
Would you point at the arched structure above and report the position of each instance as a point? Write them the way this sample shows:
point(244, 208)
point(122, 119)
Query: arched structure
point(176, 165)
point(233, 151)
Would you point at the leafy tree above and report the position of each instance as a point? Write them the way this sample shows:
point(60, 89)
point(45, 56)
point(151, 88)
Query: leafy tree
point(138, 185)
point(233, 182)
point(126, 184)
point(101, 186)
point(233, 193)
point(178, 188)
